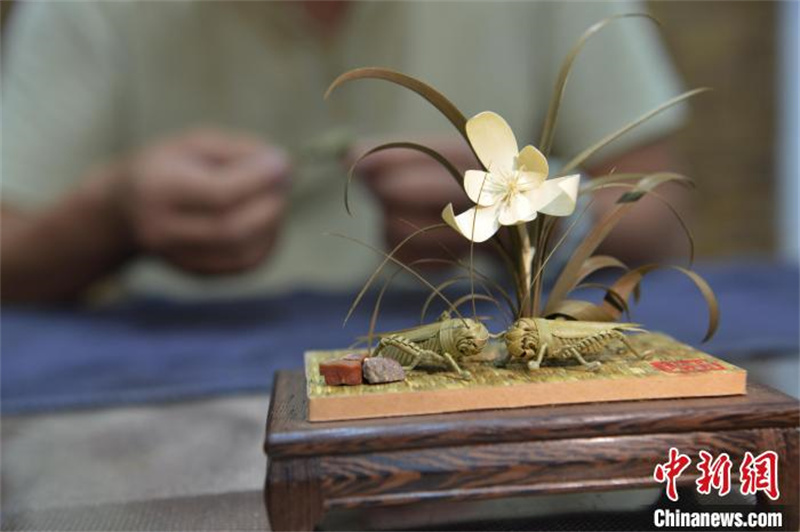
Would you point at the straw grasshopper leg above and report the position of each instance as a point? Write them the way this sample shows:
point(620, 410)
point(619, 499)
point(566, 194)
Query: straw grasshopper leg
point(464, 374)
point(624, 339)
point(535, 364)
point(416, 354)
point(593, 365)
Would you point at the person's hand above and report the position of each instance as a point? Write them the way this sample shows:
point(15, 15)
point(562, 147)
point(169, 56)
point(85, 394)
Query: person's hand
point(413, 189)
point(207, 201)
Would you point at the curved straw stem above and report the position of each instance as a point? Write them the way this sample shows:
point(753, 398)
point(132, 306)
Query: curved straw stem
point(453, 280)
point(526, 253)
point(390, 258)
point(376, 308)
point(541, 267)
point(470, 267)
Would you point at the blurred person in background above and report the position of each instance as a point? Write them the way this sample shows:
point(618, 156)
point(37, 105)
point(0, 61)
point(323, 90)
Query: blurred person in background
point(169, 143)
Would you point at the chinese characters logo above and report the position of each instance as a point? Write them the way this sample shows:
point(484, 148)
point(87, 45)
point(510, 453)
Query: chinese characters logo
point(756, 473)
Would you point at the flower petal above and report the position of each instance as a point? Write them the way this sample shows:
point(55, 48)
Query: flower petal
point(517, 210)
point(493, 141)
point(481, 188)
point(477, 224)
point(560, 195)
point(532, 160)
point(530, 180)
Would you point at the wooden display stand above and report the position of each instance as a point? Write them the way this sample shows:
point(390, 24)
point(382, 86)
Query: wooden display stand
point(315, 467)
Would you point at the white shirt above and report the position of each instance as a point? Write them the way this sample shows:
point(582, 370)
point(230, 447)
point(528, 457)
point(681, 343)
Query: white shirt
point(88, 81)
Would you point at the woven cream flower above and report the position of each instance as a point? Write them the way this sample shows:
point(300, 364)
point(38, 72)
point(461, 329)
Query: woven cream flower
point(514, 189)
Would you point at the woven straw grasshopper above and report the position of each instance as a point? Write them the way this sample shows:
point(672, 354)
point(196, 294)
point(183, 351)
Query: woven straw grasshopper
point(439, 344)
point(534, 339)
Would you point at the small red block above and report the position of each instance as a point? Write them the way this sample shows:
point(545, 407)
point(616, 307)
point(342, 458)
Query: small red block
point(342, 372)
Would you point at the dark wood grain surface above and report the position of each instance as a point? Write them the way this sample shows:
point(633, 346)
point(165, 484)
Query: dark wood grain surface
point(289, 434)
point(528, 468)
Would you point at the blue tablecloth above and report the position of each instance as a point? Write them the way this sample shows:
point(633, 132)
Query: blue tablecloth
point(152, 351)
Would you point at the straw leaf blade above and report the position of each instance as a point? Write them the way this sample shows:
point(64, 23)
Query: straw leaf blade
point(549, 127)
point(630, 281)
point(568, 278)
point(576, 309)
point(608, 139)
point(600, 182)
point(434, 97)
point(611, 295)
point(435, 155)
point(636, 195)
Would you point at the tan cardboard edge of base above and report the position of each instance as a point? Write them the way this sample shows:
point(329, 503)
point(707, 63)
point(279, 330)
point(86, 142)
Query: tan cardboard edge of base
point(338, 408)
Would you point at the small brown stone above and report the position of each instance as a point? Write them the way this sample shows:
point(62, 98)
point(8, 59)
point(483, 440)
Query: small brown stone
point(342, 372)
point(379, 370)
